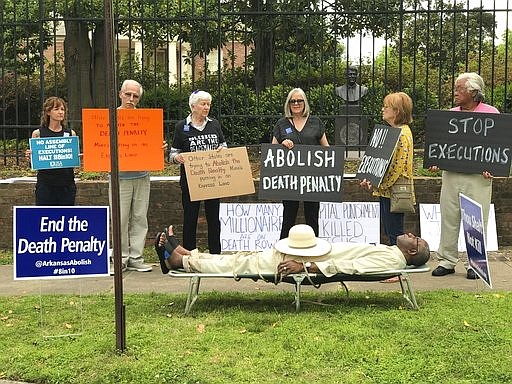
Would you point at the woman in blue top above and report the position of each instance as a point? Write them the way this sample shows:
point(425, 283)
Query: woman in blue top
point(298, 127)
point(198, 132)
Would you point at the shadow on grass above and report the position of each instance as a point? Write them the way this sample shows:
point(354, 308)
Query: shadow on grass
point(285, 303)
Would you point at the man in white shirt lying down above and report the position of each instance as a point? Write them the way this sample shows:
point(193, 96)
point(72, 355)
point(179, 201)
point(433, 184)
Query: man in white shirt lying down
point(300, 251)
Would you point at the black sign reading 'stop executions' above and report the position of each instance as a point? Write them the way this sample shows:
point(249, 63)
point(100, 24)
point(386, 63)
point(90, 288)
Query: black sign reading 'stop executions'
point(378, 154)
point(468, 142)
point(303, 173)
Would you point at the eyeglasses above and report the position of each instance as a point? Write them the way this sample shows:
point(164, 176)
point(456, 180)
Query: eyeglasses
point(296, 101)
point(131, 94)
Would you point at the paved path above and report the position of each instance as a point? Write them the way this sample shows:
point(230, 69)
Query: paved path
point(144, 282)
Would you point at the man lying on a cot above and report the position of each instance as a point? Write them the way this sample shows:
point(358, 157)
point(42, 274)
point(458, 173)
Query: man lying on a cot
point(300, 252)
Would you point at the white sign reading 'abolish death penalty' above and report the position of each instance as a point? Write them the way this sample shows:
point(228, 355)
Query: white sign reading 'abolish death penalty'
point(303, 173)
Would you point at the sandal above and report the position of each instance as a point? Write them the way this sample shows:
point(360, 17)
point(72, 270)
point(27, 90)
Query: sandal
point(160, 252)
point(172, 243)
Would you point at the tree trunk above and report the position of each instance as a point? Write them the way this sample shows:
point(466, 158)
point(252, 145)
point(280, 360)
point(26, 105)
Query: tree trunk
point(77, 60)
point(263, 59)
point(99, 90)
point(263, 46)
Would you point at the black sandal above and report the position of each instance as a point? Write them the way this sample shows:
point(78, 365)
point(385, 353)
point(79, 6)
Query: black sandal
point(172, 243)
point(160, 252)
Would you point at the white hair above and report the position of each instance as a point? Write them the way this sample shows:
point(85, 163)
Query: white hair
point(198, 95)
point(474, 82)
point(128, 82)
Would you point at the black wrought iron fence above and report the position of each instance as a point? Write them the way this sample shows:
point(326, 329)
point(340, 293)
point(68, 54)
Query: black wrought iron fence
point(346, 55)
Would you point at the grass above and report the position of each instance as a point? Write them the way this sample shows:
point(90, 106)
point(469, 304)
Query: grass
point(258, 338)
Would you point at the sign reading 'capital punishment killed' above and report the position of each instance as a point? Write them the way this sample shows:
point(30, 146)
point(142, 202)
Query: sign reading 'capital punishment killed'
point(303, 173)
point(377, 156)
point(468, 142)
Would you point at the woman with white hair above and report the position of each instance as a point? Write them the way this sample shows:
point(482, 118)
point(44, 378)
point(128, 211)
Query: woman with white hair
point(298, 127)
point(197, 132)
point(469, 97)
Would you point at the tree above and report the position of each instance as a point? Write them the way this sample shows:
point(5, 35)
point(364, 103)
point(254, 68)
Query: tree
point(444, 34)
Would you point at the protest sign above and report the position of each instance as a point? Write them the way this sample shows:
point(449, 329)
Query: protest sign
point(430, 224)
point(303, 173)
point(468, 142)
point(256, 227)
point(60, 242)
point(55, 152)
point(140, 135)
point(220, 173)
point(378, 154)
point(473, 223)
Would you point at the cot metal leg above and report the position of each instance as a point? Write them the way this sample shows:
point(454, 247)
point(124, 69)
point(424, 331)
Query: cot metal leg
point(193, 293)
point(299, 278)
point(407, 291)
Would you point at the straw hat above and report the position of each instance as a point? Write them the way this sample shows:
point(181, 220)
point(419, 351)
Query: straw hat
point(301, 241)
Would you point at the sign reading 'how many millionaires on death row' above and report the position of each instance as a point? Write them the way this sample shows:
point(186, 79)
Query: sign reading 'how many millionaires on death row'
point(303, 173)
point(219, 173)
point(60, 242)
point(378, 154)
point(468, 142)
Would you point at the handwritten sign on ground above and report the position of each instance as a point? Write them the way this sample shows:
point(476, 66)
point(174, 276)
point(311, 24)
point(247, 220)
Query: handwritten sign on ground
point(473, 224)
point(303, 173)
point(60, 242)
point(139, 133)
point(220, 173)
point(430, 224)
point(55, 152)
point(468, 142)
point(378, 154)
point(255, 227)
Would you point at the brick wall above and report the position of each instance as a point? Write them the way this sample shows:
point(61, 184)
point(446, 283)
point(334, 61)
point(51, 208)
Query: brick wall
point(165, 204)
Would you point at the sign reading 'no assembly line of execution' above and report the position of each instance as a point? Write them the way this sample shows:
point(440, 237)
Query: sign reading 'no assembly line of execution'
point(303, 173)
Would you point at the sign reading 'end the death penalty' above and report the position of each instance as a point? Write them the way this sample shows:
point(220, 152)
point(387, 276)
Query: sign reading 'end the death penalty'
point(378, 154)
point(60, 242)
point(468, 142)
point(303, 173)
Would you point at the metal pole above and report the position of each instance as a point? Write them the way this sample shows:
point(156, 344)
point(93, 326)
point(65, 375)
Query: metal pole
point(114, 175)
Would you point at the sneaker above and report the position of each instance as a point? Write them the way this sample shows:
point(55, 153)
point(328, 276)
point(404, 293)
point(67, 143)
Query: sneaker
point(471, 275)
point(442, 271)
point(138, 266)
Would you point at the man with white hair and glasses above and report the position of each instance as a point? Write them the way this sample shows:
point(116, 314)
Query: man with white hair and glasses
point(469, 96)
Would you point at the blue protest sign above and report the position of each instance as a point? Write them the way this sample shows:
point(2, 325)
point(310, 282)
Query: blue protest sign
point(60, 242)
point(55, 152)
point(474, 236)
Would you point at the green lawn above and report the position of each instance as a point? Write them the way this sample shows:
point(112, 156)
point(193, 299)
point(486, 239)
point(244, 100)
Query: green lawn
point(455, 337)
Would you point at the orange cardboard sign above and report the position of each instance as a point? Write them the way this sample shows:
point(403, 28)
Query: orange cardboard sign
point(221, 173)
point(140, 135)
